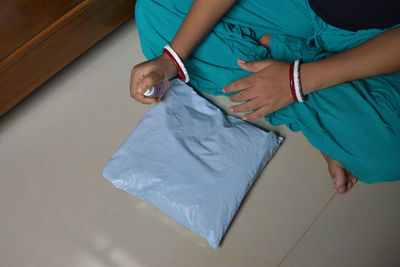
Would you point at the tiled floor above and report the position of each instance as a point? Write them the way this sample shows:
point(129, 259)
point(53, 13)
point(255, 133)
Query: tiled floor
point(57, 209)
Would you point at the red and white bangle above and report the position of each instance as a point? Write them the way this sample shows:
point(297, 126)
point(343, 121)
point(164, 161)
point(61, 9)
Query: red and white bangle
point(294, 78)
point(182, 75)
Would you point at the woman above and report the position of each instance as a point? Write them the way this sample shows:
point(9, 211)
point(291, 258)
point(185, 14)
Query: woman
point(350, 76)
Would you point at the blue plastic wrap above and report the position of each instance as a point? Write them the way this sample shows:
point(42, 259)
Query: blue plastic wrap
point(191, 161)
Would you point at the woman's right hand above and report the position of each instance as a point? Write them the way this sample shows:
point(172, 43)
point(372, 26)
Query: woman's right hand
point(146, 74)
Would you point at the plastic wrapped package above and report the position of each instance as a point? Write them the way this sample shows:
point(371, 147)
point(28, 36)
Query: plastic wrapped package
point(191, 161)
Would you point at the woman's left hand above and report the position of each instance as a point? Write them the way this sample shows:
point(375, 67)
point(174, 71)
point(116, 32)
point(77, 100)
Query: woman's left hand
point(265, 91)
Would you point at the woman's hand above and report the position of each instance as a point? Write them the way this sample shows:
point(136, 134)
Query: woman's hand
point(146, 74)
point(265, 91)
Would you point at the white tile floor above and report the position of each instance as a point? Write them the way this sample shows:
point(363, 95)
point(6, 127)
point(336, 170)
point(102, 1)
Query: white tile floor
point(57, 209)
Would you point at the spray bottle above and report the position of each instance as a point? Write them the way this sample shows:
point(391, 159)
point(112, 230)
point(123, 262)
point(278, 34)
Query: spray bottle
point(158, 90)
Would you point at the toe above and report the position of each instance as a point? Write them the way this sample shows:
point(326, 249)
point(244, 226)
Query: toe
point(349, 185)
point(340, 178)
point(351, 177)
point(343, 179)
point(341, 190)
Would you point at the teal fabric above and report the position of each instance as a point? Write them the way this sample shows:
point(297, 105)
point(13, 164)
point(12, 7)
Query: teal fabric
point(356, 123)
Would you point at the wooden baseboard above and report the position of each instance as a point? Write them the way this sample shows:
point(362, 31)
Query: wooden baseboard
point(57, 45)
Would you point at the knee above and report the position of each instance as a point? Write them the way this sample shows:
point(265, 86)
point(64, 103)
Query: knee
point(157, 22)
point(165, 11)
point(143, 13)
point(148, 29)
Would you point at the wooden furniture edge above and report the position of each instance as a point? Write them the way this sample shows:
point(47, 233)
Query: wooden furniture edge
point(44, 33)
point(58, 45)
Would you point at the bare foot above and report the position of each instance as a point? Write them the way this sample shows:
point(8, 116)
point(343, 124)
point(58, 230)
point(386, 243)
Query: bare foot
point(343, 180)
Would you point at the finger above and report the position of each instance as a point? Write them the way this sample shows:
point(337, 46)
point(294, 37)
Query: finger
point(255, 66)
point(148, 81)
point(138, 97)
point(238, 85)
point(133, 83)
point(244, 95)
point(144, 99)
point(136, 78)
point(261, 112)
point(246, 107)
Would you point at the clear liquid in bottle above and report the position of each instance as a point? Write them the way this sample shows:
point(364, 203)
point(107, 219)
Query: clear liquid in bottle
point(158, 90)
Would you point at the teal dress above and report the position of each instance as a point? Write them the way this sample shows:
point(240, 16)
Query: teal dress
point(356, 123)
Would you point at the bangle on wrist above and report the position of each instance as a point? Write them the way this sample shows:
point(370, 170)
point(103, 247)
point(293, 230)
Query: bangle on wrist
point(182, 72)
point(294, 78)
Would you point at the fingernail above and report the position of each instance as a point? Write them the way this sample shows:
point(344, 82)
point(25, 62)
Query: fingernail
point(231, 109)
point(241, 61)
point(244, 118)
point(224, 90)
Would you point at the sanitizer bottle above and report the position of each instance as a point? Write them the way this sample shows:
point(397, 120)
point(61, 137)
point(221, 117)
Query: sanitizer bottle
point(159, 89)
